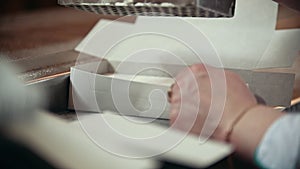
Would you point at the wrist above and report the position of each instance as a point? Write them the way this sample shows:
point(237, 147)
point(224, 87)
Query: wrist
point(227, 124)
point(249, 130)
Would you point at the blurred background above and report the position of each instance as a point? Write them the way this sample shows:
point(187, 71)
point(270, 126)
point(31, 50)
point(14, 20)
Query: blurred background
point(17, 6)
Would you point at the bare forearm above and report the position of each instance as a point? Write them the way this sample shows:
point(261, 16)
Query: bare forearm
point(250, 130)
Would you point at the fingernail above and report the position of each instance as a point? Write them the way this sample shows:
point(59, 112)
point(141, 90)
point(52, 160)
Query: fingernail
point(169, 96)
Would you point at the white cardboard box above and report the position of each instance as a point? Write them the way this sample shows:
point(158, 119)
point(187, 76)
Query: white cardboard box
point(97, 88)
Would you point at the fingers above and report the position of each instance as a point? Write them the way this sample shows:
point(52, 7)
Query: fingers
point(197, 69)
point(184, 95)
point(200, 89)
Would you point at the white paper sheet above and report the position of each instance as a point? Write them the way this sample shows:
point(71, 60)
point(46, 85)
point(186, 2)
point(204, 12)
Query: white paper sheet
point(118, 132)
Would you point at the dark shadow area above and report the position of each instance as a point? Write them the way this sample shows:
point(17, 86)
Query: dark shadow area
point(17, 6)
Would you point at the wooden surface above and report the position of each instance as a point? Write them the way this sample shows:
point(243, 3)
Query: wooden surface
point(41, 42)
point(43, 32)
point(290, 19)
point(37, 37)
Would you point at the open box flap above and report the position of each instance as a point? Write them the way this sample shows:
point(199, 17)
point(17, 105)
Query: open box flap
point(246, 41)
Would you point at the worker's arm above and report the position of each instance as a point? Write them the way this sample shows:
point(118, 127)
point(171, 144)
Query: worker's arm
point(243, 122)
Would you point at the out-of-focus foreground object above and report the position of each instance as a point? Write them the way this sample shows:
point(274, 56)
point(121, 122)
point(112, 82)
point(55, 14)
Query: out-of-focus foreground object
point(17, 102)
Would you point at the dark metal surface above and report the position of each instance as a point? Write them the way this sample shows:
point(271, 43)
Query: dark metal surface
point(181, 8)
point(38, 67)
point(56, 92)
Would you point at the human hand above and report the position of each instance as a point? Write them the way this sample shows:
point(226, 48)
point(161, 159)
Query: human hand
point(208, 101)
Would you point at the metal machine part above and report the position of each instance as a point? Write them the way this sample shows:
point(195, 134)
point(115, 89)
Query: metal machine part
point(180, 8)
